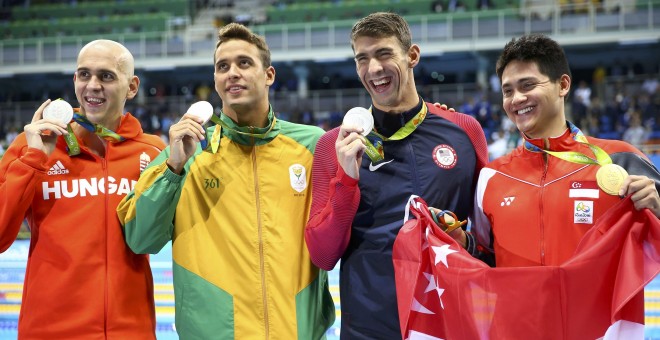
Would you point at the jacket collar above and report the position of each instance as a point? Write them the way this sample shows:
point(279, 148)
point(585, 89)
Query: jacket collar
point(387, 124)
point(248, 135)
point(564, 142)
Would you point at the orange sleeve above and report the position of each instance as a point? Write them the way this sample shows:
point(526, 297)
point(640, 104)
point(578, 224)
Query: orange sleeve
point(18, 167)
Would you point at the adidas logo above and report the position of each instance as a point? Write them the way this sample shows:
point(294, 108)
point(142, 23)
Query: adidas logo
point(58, 169)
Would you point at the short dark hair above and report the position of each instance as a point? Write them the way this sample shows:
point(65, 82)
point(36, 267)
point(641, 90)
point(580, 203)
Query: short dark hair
point(237, 31)
point(383, 25)
point(538, 48)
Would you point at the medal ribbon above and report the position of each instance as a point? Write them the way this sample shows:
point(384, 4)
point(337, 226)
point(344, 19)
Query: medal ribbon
point(602, 158)
point(101, 131)
point(374, 140)
point(220, 124)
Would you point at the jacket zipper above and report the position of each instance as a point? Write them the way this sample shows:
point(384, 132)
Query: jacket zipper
point(104, 162)
point(264, 286)
point(408, 141)
point(545, 160)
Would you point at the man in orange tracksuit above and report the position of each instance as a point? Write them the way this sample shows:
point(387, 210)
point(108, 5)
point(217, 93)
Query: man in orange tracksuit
point(82, 281)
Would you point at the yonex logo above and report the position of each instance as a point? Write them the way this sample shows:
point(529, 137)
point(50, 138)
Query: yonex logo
point(58, 169)
point(508, 200)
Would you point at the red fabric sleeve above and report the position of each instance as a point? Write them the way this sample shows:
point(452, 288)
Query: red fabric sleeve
point(335, 199)
point(18, 167)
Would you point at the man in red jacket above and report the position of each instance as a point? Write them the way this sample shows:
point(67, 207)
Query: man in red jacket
point(82, 280)
point(533, 206)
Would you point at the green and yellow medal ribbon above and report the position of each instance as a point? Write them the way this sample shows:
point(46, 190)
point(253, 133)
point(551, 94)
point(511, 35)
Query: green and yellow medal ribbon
point(374, 140)
point(101, 131)
point(220, 124)
point(602, 158)
point(72, 146)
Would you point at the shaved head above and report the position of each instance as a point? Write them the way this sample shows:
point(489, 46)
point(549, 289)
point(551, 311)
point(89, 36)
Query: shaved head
point(122, 55)
point(104, 79)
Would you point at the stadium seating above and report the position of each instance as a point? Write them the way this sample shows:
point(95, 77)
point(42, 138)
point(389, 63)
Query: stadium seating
point(92, 18)
point(314, 11)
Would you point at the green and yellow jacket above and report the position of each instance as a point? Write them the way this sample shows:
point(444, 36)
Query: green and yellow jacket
point(236, 219)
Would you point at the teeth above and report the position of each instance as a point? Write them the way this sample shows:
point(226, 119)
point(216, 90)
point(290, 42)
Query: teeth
point(95, 100)
point(380, 82)
point(234, 88)
point(525, 110)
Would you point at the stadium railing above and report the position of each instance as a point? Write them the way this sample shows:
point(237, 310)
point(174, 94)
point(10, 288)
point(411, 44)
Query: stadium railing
point(469, 31)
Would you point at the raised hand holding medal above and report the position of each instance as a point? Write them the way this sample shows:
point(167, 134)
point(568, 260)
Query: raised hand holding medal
point(373, 140)
point(609, 176)
point(204, 111)
point(41, 134)
point(186, 133)
point(362, 118)
point(62, 112)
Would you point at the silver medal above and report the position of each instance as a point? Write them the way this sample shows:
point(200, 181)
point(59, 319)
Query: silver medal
point(201, 109)
point(359, 116)
point(58, 110)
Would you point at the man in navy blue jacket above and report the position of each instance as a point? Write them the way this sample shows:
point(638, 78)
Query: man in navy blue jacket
point(359, 194)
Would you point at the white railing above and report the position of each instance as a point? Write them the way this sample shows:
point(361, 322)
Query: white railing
point(471, 31)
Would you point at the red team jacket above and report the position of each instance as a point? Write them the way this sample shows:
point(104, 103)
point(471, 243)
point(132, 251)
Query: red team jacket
point(82, 281)
point(532, 213)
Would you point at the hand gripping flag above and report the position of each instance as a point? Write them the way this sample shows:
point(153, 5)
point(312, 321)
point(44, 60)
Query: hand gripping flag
point(444, 293)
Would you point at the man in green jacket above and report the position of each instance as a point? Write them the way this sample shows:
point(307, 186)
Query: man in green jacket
point(235, 210)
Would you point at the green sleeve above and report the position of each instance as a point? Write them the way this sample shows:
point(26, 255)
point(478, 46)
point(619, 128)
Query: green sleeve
point(147, 213)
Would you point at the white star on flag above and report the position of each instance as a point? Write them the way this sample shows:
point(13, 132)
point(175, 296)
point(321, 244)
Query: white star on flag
point(415, 335)
point(417, 307)
point(440, 291)
point(432, 284)
point(441, 254)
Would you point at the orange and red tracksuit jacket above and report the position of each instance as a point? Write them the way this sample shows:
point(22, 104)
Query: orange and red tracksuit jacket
point(532, 209)
point(82, 281)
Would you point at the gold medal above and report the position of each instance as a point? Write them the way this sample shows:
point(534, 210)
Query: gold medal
point(610, 178)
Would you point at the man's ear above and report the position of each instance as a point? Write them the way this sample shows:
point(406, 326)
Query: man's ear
point(270, 75)
point(564, 85)
point(413, 55)
point(133, 87)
